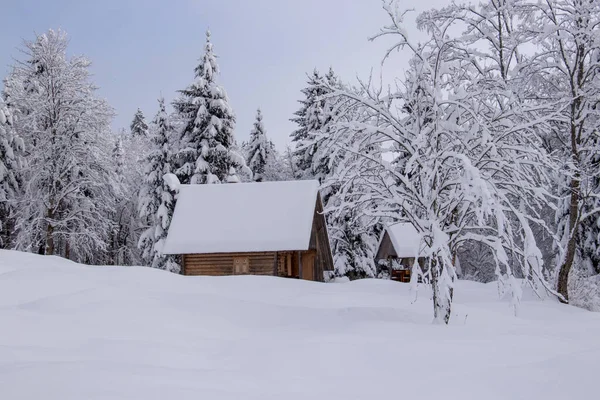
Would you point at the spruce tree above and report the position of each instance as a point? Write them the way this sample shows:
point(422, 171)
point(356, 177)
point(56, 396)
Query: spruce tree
point(354, 240)
point(206, 152)
point(119, 158)
point(157, 200)
point(139, 127)
point(11, 149)
point(313, 118)
point(322, 145)
point(260, 150)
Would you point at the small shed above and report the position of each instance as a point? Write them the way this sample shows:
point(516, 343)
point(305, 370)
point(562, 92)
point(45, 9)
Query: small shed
point(259, 228)
point(398, 248)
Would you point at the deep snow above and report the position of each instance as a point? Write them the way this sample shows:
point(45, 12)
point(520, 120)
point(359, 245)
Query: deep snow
point(76, 332)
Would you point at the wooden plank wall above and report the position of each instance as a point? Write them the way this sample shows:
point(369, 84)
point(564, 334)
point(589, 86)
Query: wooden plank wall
point(287, 264)
point(219, 264)
point(309, 266)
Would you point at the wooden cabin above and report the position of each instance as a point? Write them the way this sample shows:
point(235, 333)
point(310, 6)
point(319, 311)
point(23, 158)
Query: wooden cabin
point(259, 228)
point(398, 248)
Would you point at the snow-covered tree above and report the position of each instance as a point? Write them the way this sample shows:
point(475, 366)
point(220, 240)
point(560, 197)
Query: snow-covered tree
point(68, 190)
point(354, 239)
point(354, 230)
point(233, 177)
point(313, 118)
point(467, 162)
point(205, 153)
point(131, 175)
point(157, 196)
point(124, 216)
point(278, 167)
point(260, 150)
point(567, 66)
point(289, 161)
point(11, 164)
point(316, 156)
point(119, 157)
point(139, 127)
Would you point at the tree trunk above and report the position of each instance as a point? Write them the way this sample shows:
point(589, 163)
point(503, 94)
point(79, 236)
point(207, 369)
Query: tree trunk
point(574, 187)
point(435, 289)
point(49, 235)
point(113, 249)
point(442, 307)
point(7, 223)
point(565, 268)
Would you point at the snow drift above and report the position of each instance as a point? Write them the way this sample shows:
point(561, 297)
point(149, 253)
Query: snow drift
point(76, 332)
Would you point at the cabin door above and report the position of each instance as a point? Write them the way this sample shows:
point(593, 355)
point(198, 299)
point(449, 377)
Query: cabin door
point(308, 266)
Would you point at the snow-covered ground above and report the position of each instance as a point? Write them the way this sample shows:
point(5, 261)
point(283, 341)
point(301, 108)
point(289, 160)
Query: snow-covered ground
point(75, 332)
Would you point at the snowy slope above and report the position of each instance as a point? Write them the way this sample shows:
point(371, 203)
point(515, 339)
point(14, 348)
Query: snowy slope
point(75, 332)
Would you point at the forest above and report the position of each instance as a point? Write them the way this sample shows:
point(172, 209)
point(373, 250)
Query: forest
point(488, 144)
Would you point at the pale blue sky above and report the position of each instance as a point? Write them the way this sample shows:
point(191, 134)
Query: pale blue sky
point(140, 49)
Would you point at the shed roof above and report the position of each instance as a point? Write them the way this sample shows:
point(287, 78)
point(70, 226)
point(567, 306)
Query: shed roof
point(242, 217)
point(405, 239)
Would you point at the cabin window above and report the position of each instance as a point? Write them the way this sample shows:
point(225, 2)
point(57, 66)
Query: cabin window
point(241, 265)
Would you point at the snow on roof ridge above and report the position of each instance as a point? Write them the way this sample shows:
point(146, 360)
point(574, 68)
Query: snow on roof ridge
point(307, 182)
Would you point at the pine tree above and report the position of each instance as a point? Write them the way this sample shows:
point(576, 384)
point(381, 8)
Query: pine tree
point(167, 262)
point(139, 128)
point(157, 198)
point(354, 239)
point(312, 119)
point(11, 163)
point(119, 157)
point(322, 161)
point(206, 152)
point(260, 150)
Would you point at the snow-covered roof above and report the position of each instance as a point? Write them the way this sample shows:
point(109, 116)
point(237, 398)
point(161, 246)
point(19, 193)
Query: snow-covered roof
point(405, 239)
point(242, 217)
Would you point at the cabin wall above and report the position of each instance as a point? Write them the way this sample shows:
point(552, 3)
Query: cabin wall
point(293, 264)
point(287, 264)
point(309, 267)
point(219, 264)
